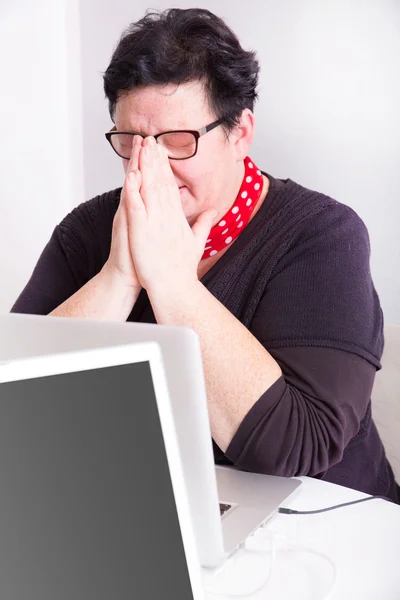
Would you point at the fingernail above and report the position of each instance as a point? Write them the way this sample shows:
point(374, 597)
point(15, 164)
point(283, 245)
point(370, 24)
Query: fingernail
point(148, 146)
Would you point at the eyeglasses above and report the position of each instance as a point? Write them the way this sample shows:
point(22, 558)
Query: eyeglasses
point(179, 145)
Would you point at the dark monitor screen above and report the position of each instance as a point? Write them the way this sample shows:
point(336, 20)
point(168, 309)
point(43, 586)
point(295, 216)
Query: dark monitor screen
point(87, 509)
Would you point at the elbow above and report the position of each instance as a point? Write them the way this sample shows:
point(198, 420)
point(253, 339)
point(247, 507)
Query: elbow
point(301, 440)
point(310, 459)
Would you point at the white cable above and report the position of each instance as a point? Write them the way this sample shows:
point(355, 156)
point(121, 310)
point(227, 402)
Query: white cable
point(234, 559)
point(295, 547)
point(289, 545)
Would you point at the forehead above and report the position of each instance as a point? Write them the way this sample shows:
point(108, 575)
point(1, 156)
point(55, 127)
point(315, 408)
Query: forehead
point(153, 109)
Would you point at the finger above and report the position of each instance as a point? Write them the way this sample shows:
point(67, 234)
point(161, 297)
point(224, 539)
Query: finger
point(120, 222)
point(132, 198)
point(133, 164)
point(202, 226)
point(167, 173)
point(136, 214)
point(149, 163)
point(139, 178)
point(160, 176)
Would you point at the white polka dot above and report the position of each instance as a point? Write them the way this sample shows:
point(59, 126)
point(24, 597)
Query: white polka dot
point(249, 179)
point(244, 194)
point(257, 186)
point(222, 223)
point(258, 172)
point(249, 201)
point(235, 210)
point(240, 224)
point(208, 241)
point(213, 252)
point(239, 217)
point(225, 231)
point(207, 248)
point(228, 240)
point(250, 165)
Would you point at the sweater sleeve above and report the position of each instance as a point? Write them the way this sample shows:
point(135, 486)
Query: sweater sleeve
point(51, 282)
point(303, 422)
point(320, 318)
point(76, 251)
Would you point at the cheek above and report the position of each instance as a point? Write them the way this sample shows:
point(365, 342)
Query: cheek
point(190, 173)
point(125, 164)
point(182, 172)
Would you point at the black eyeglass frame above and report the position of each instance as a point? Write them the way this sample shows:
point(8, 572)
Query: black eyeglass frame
point(197, 133)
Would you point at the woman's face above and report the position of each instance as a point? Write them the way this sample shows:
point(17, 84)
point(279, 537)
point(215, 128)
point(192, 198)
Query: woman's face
point(211, 178)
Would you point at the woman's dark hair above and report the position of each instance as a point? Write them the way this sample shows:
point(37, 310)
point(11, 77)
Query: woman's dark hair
point(180, 46)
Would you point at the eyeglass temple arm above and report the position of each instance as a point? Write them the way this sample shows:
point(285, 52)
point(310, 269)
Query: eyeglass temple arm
point(204, 130)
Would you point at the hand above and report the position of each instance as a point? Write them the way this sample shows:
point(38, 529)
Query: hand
point(120, 265)
point(166, 251)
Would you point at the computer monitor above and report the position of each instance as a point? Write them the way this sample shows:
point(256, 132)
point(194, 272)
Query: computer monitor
point(250, 498)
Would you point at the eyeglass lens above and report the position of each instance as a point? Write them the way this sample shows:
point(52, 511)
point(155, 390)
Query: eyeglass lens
point(178, 144)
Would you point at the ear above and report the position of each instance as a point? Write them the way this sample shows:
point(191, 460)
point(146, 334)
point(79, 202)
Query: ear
point(242, 135)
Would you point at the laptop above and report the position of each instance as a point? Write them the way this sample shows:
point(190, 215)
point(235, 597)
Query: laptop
point(93, 502)
point(226, 505)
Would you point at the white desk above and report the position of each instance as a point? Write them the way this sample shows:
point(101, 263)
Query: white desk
point(363, 542)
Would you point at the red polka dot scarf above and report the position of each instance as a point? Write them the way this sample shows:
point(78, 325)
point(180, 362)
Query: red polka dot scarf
point(237, 217)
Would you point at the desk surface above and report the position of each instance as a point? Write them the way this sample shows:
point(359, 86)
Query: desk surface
point(363, 542)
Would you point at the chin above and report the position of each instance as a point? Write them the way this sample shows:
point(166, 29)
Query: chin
point(188, 211)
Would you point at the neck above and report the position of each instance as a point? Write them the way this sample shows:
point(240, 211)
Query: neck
point(233, 188)
point(206, 264)
point(233, 221)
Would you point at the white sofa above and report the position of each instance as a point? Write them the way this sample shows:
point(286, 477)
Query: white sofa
point(386, 398)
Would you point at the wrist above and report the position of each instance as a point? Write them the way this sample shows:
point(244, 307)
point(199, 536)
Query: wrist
point(115, 279)
point(172, 291)
point(174, 304)
point(121, 293)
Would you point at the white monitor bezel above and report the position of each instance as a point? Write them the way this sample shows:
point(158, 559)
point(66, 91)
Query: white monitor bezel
point(84, 360)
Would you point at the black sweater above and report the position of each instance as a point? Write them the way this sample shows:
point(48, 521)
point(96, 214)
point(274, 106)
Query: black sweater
point(298, 278)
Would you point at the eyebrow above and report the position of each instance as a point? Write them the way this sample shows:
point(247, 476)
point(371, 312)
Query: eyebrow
point(147, 135)
point(127, 131)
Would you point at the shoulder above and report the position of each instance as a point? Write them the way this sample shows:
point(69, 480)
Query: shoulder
point(85, 233)
point(318, 285)
point(88, 216)
point(333, 219)
point(312, 219)
point(337, 227)
point(327, 240)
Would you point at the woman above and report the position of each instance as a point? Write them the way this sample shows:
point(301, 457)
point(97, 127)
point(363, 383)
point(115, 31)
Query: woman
point(272, 276)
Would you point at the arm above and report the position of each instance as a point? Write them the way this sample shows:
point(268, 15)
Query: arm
point(290, 411)
point(320, 294)
point(237, 368)
point(303, 423)
point(72, 277)
point(86, 270)
point(334, 307)
point(105, 297)
point(166, 259)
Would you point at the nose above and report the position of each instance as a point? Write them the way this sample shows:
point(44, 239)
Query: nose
point(177, 170)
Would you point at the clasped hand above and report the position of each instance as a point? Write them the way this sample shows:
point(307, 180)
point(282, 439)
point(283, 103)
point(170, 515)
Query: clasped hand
point(153, 246)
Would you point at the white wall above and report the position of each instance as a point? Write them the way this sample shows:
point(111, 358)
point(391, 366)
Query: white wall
point(41, 175)
point(328, 114)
